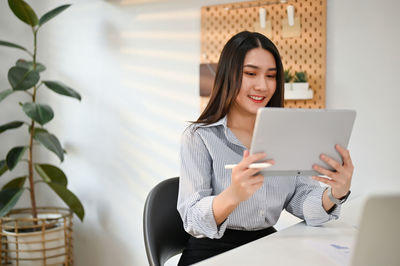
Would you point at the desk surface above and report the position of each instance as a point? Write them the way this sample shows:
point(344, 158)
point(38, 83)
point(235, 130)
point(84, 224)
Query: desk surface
point(327, 245)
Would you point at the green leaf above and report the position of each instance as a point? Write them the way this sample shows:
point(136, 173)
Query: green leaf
point(15, 183)
point(8, 199)
point(51, 14)
point(51, 174)
point(300, 77)
point(13, 45)
point(62, 89)
point(69, 198)
point(3, 167)
point(41, 113)
point(14, 155)
point(29, 65)
point(23, 11)
point(11, 125)
point(37, 129)
point(22, 79)
point(5, 93)
point(51, 143)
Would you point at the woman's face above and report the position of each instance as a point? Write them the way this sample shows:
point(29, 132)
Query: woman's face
point(258, 81)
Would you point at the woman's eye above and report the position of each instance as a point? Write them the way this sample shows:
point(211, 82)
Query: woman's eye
point(271, 76)
point(250, 73)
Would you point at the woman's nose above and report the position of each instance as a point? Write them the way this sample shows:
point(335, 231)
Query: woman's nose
point(261, 84)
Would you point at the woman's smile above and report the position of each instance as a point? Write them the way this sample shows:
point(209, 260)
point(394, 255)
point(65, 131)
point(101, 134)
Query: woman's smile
point(257, 99)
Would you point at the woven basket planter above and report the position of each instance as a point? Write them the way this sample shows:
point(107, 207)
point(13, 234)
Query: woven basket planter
point(46, 240)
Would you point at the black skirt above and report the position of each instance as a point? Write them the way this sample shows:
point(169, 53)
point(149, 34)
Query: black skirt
point(198, 249)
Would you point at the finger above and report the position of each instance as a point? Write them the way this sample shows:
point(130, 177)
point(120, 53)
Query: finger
point(324, 171)
point(270, 161)
point(256, 179)
point(255, 157)
point(333, 163)
point(248, 159)
point(258, 184)
point(241, 164)
point(250, 172)
point(262, 164)
point(345, 155)
point(323, 180)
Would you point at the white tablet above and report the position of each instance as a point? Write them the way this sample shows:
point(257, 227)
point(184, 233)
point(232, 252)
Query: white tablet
point(295, 138)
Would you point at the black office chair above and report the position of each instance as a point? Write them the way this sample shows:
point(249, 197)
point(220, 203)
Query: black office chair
point(164, 236)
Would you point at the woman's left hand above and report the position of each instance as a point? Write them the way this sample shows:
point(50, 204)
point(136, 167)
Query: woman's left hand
point(340, 180)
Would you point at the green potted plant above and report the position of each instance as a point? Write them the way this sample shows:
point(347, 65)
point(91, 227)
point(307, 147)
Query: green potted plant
point(300, 81)
point(35, 221)
point(296, 86)
point(288, 79)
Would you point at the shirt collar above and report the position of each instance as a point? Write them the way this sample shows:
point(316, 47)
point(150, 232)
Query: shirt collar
point(222, 121)
point(228, 133)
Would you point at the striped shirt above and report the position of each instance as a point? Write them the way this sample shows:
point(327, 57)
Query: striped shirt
point(205, 149)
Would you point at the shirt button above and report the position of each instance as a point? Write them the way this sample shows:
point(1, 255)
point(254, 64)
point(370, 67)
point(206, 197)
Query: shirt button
point(261, 212)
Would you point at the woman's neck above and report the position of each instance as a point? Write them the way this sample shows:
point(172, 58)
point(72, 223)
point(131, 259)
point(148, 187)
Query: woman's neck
point(241, 120)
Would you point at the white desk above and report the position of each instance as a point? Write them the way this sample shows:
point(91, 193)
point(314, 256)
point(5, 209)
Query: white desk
point(327, 245)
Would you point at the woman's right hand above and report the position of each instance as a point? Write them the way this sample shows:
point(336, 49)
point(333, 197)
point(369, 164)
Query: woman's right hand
point(245, 180)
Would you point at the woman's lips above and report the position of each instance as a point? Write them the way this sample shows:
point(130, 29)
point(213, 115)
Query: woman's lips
point(256, 99)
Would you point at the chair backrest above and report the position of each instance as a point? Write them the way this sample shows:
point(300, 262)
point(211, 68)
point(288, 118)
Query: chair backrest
point(163, 231)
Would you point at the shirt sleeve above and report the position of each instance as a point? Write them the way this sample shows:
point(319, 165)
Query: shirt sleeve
point(195, 190)
point(306, 202)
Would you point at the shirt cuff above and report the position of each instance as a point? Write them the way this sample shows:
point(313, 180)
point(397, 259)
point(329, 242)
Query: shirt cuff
point(314, 212)
point(206, 225)
point(220, 229)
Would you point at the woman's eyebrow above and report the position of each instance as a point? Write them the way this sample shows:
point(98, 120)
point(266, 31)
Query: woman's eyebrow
point(252, 66)
point(256, 67)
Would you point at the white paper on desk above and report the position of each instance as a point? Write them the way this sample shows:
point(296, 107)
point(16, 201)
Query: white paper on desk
point(337, 251)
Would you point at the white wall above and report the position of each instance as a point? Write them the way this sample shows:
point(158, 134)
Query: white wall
point(363, 74)
point(136, 67)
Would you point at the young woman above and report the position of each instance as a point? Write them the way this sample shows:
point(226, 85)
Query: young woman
point(224, 209)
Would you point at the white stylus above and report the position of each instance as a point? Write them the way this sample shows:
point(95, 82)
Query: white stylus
point(253, 165)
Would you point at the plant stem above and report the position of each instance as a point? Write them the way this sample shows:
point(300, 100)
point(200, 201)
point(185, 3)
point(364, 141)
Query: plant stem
point(30, 155)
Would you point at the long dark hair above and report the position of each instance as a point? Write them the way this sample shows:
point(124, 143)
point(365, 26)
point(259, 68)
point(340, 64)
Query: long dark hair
point(228, 78)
